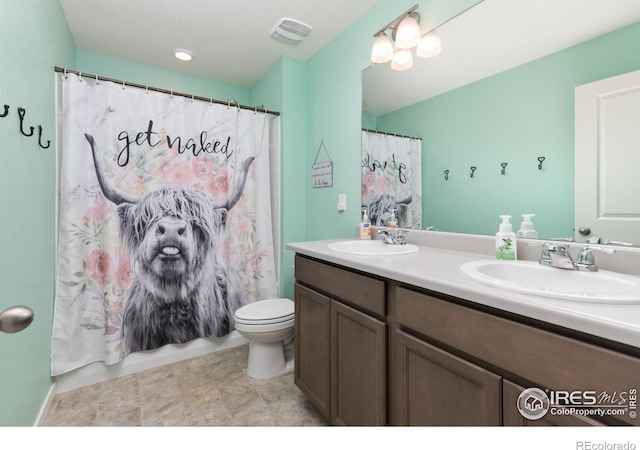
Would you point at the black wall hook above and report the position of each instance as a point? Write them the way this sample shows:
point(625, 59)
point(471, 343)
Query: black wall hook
point(473, 169)
point(446, 174)
point(504, 166)
point(540, 159)
point(21, 114)
point(40, 138)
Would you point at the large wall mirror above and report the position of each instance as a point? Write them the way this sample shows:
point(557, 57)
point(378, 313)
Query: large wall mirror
point(495, 111)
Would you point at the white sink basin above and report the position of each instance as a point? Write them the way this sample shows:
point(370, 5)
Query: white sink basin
point(530, 277)
point(370, 248)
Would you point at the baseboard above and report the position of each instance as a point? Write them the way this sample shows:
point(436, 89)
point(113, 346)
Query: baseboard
point(46, 405)
point(139, 361)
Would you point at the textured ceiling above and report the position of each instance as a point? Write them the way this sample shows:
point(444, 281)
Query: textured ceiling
point(229, 38)
point(231, 43)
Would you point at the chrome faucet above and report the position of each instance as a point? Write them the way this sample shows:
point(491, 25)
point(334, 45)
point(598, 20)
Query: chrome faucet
point(394, 238)
point(558, 255)
point(586, 261)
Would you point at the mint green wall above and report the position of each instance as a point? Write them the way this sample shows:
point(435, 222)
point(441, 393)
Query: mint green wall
point(34, 37)
point(334, 112)
point(283, 89)
point(120, 69)
point(514, 117)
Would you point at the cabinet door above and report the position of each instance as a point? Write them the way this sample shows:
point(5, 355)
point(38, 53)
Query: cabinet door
point(512, 417)
point(437, 388)
point(358, 367)
point(312, 351)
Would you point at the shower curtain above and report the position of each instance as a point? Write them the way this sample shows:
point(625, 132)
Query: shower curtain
point(391, 172)
point(164, 220)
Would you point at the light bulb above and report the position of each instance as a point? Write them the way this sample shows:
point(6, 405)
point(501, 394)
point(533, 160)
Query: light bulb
point(402, 59)
point(382, 50)
point(429, 45)
point(408, 34)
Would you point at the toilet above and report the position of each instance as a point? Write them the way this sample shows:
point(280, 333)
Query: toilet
point(268, 326)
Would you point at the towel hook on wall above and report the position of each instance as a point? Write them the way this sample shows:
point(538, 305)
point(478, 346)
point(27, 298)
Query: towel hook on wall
point(446, 174)
point(504, 166)
point(540, 159)
point(473, 169)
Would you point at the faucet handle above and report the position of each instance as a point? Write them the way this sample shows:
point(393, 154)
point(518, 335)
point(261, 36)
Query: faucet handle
point(545, 257)
point(585, 259)
point(586, 253)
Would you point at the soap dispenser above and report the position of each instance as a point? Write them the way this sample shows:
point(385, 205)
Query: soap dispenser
point(526, 227)
point(364, 229)
point(506, 247)
point(393, 222)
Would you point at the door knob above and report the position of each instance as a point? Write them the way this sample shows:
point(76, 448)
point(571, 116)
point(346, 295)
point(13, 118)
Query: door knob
point(15, 319)
point(585, 231)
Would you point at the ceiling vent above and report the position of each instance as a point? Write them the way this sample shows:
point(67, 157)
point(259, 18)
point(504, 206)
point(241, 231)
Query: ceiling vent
point(290, 31)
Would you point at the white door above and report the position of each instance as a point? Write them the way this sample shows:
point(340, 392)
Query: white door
point(607, 159)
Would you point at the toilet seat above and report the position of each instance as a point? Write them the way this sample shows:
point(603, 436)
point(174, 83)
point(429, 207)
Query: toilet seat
point(265, 312)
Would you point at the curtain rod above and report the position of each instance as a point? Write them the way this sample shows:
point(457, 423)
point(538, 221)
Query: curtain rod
point(230, 102)
point(390, 134)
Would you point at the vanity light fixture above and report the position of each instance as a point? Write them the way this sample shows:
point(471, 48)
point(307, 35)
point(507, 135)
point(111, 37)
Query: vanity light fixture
point(182, 54)
point(405, 31)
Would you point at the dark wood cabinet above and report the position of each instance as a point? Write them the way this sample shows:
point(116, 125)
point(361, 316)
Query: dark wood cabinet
point(372, 351)
point(340, 348)
point(312, 337)
point(437, 388)
point(358, 367)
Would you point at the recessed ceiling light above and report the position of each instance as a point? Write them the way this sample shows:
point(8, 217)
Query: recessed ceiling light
point(182, 54)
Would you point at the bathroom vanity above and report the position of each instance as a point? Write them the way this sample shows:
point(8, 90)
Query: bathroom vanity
point(409, 340)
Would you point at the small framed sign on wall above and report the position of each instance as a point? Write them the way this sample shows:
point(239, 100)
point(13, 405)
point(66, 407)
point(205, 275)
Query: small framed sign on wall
point(322, 173)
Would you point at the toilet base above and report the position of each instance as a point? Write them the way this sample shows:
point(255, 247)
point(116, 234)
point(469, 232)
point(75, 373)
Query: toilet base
point(267, 360)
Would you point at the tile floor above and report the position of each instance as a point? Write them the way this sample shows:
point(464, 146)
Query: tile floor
point(211, 390)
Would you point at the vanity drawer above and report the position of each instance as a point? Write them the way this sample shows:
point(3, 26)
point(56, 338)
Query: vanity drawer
point(547, 359)
point(360, 290)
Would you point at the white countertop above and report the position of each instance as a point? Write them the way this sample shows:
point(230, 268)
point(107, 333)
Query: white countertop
point(438, 270)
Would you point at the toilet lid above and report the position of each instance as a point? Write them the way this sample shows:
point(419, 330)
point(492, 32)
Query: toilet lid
point(271, 310)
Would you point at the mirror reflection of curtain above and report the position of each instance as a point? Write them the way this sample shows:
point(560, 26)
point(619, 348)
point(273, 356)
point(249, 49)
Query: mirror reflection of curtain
point(391, 173)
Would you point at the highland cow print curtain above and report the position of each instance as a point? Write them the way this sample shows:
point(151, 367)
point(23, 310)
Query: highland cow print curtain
point(164, 220)
point(392, 179)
